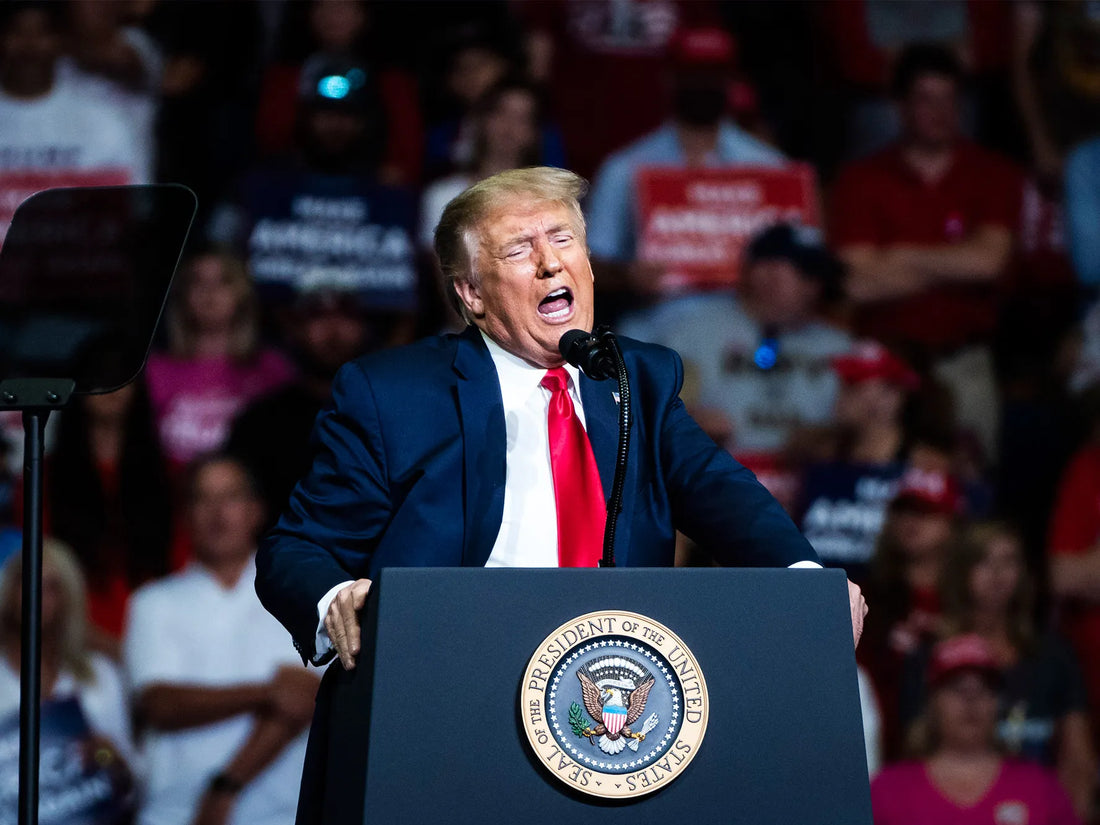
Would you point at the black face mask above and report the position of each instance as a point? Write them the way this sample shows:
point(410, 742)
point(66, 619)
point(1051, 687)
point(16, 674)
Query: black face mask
point(699, 105)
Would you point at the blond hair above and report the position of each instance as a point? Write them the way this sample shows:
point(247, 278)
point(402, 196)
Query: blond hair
point(73, 640)
point(181, 326)
point(455, 241)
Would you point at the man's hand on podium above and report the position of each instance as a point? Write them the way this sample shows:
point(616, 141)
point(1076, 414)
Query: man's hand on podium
point(342, 621)
point(859, 609)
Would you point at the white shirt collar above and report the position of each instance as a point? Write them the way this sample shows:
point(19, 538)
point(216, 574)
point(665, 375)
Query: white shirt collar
point(518, 379)
point(247, 580)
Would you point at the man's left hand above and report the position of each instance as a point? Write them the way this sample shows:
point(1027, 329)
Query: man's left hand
point(859, 609)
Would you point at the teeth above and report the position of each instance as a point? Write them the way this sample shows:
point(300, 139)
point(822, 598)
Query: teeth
point(558, 293)
point(560, 313)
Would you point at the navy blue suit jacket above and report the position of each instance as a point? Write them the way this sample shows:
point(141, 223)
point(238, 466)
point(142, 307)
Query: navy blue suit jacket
point(409, 470)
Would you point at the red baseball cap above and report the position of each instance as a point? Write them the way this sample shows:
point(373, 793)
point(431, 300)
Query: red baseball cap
point(869, 360)
point(929, 490)
point(965, 652)
point(702, 47)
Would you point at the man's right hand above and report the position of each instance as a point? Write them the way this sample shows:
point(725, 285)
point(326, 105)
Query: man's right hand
point(342, 621)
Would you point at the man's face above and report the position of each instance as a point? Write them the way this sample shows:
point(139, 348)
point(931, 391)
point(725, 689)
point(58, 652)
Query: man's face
point(511, 127)
point(334, 131)
point(931, 110)
point(330, 337)
point(781, 293)
point(534, 279)
point(225, 514)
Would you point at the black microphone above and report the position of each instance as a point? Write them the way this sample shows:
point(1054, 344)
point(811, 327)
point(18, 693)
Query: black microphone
point(590, 354)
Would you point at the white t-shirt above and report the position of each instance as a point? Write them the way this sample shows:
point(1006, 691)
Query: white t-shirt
point(77, 134)
point(189, 630)
point(103, 701)
point(717, 340)
point(528, 535)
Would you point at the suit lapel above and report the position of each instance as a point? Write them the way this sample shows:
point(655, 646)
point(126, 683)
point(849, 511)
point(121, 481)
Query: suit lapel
point(481, 415)
point(601, 419)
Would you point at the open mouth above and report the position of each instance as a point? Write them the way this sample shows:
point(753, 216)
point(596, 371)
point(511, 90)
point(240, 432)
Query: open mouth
point(557, 305)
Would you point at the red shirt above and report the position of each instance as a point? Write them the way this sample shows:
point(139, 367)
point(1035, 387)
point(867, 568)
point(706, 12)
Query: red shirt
point(1022, 794)
point(1074, 530)
point(604, 47)
point(277, 113)
point(849, 44)
point(881, 201)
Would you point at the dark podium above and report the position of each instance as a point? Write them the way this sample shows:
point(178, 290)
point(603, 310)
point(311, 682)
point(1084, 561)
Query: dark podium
point(428, 728)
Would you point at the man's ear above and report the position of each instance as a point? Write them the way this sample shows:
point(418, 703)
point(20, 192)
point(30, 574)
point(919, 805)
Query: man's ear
point(470, 295)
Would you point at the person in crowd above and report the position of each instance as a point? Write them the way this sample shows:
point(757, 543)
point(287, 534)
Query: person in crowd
point(604, 47)
point(1073, 556)
point(699, 133)
point(108, 497)
point(208, 90)
point(323, 216)
point(863, 39)
point(986, 589)
point(222, 699)
point(214, 364)
point(845, 492)
point(58, 131)
point(758, 358)
point(70, 667)
point(903, 581)
point(329, 329)
point(340, 30)
point(118, 62)
point(1055, 80)
point(925, 227)
point(505, 135)
point(478, 64)
point(103, 41)
point(958, 773)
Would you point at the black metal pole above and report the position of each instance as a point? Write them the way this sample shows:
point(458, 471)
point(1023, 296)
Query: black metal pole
point(615, 502)
point(30, 663)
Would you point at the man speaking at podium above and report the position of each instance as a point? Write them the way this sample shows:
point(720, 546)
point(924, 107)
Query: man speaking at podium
point(486, 449)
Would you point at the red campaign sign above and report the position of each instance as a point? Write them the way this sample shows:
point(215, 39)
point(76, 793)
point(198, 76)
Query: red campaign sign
point(696, 222)
point(17, 186)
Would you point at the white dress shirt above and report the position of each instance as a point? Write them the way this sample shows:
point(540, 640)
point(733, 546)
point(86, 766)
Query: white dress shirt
point(528, 535)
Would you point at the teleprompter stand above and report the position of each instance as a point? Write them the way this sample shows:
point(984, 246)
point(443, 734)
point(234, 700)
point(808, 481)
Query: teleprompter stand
point(83, 277)
point(428, 727)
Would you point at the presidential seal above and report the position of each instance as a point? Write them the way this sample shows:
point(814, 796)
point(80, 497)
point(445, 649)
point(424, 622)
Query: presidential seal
point(614, 704)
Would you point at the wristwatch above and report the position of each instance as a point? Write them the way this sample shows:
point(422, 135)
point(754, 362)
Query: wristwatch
point(223, 783)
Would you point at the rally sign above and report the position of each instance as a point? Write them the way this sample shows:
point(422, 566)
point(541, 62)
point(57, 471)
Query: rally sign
point(695, 223)
point(16, 186)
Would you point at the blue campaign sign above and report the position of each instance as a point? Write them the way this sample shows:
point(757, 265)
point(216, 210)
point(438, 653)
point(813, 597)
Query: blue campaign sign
point(844, 510)
point(79, 782)
point(307, 230)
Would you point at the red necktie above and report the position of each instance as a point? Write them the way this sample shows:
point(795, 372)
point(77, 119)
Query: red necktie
point(577, 489)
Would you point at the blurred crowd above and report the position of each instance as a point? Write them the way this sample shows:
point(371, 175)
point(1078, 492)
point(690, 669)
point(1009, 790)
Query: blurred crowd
point(911, 365)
